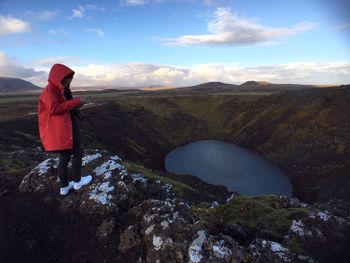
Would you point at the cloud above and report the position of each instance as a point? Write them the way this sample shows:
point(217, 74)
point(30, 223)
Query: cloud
point(147, 2)
point(141, 2)
point(138, 74)
point(43, 15)
point(10, 25)
point(136, 2)
point(342, 27)
point(228, 29)
point(59, 31)
point(80, 11)
point(94, 7)
point(98, 31)
point(10, 68)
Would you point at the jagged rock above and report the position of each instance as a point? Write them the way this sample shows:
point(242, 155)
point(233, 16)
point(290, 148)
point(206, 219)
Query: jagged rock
point(102, 196)
point(291, 202)
point(106, 228)
point(129, 239)
point(166, 229)
point(171, 234)
point(264, 251)
point(338, 208)
point(150, 189)
point(221, 248)
point(321, 231)
point(41, 178)
point(161, 227)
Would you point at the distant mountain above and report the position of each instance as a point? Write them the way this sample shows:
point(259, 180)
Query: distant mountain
point(248, 85)
point(212, 86)
point(264, 85)
point(15, 84)
point(255, 83)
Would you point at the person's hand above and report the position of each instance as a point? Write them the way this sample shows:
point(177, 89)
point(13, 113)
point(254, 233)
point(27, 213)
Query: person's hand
point(83, 101)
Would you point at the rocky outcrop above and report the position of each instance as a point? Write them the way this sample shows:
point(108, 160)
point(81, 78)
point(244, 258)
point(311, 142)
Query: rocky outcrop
point(160, 225)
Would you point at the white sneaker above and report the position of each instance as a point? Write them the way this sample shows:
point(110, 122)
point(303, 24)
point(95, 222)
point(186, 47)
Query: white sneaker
point(84, 180)
point(65, 190)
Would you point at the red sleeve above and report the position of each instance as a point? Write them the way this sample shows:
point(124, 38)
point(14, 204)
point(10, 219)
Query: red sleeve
point(60, 108)
point(58, 105)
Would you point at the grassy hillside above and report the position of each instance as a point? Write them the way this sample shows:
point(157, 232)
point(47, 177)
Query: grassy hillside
point(305, 132)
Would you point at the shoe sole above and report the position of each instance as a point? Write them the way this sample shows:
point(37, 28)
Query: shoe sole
point(82, 185)
point(77, 188)
point(68, 191)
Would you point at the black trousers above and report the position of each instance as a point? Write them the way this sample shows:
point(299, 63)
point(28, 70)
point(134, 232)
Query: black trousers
point(65, 157)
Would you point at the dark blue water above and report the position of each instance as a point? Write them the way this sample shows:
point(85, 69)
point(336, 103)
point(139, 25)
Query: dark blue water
point(222, 163)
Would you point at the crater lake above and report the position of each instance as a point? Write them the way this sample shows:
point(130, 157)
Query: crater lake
point(227, 164)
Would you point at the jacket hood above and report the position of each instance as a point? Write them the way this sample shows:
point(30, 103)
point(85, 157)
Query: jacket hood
point(57, 73)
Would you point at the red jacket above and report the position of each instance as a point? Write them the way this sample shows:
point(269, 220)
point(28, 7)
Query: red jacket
point(55, 124)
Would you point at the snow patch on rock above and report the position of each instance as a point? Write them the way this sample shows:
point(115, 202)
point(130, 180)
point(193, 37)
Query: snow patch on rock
point(297, 227)
point(214, 204)
point(157, 242)
point(149, 229)
point(230, 198)
point(89, 158)
point(138, 178)
point(220, 250)
point(116, 158)
point(195, 248)
point(108, 166)
point(164, 224)
point(278, 249)
point(101, 194)
point(45, 166)
point(325, 216)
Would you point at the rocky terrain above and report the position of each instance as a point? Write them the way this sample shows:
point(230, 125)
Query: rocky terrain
point(134, 214)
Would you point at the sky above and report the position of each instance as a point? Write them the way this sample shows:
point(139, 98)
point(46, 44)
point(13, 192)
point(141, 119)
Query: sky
point(138, 43)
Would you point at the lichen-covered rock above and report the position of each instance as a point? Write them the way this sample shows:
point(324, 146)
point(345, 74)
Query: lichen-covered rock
point(268, 251)
point(42, 178)
point(99, 197)
point(308, 231)
point(171, 233)
point(129, 239)
point(218, 248)
point(165, 228)
point(320, 233)
point(288, 202)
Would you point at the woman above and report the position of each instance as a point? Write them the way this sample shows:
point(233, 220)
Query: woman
point(57, 113)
